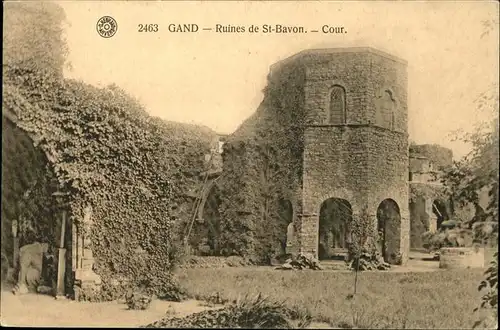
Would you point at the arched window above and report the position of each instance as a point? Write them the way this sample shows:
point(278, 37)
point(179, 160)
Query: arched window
point(337, 106)
point(388, 108)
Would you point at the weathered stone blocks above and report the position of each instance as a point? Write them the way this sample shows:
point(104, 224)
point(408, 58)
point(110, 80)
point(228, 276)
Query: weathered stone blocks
point(364, 159)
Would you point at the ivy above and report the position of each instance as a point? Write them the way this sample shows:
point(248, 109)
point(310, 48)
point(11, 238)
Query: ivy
point(108, 153)
point(262, 166)
point(426, 191)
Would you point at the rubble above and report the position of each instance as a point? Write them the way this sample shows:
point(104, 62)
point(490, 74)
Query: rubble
point(302, 261)
point(369, 261)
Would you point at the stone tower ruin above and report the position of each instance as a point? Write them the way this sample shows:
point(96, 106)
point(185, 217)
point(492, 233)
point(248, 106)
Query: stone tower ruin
point(329, 146)
point(355, 147)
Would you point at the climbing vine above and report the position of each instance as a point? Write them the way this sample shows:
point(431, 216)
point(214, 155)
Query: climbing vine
point(426, 191)
point(107, 152)
point(262, 165)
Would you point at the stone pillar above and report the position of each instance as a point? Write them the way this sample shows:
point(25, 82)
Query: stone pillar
point(405, 238)
point(309, 233)
point(373, 239)
point(85, 277)
point(291, 240)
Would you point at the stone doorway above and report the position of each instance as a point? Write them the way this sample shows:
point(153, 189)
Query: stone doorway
point(389, 230)
point(335, 217)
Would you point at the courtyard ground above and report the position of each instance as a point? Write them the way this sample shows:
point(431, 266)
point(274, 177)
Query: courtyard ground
point(417, 296)
point(32, 310)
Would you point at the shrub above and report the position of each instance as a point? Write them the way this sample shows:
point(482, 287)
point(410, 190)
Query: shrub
point(455, 237)
point(138, 298)
point(489, 300)
point(257, 313)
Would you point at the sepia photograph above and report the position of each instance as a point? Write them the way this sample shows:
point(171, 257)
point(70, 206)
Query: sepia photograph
point(250, 164)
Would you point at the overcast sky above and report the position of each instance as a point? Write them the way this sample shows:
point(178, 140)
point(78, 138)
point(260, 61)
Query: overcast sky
point(216, 79)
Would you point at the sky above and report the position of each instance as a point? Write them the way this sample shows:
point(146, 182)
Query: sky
point(216, 79)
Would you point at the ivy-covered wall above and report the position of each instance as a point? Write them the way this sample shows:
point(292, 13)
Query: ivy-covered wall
point(108, 153)
point(262, 166)
point(25, 188)
point(288, 149)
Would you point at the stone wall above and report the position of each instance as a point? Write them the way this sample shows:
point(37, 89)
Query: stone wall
point(363, 159)
point(437, 155)
point(262, 165)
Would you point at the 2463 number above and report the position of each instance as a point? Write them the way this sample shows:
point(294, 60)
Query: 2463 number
point(148, 28)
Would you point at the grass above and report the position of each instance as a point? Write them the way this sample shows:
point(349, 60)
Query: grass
point(441, 299)
point(247, 313)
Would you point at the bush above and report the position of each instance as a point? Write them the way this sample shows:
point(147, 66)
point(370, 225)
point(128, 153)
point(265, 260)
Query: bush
point(455, 237)
point(369, 260)
point(489, 300)
point(138, 298)
point(257, 313)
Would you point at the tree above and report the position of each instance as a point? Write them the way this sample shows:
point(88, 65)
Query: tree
point(476, 172)
point(33, 37)
point(33, 40)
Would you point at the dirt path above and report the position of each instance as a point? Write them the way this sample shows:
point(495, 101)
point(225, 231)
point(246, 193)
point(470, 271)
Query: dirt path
point(42, 311)
point(33, 310)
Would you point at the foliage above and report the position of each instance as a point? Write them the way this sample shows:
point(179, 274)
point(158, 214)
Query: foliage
point(23, 166)
point(489, 300)
point(455, 237)
point(478, 172)
point(137, 298)
point(214, 262)
point(34, 40)
point(302, 261)
point(384, 300)
point(247, 313)
point(361, 240)
point(262, 167)
point(34, 37)
point(108, 153)
point(424, 190)
point(369, 260)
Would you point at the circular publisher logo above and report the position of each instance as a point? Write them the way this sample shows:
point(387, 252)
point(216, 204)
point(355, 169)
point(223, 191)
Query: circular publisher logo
point(107, 26)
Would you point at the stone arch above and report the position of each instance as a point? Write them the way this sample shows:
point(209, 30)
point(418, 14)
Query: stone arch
point(389, 229)
point(337, 105)
point(47, 226)
point(335, 216)
point(76, 243)
point(11, 117)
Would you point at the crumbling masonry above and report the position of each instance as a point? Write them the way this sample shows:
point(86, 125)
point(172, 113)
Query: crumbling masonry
point(347, 110)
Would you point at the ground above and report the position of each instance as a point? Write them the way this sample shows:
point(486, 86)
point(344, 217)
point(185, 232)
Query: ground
point(40, 311)
point(417, 296)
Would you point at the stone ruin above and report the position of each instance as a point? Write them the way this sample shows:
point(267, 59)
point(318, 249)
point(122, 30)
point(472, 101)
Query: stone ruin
point(346, 110)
